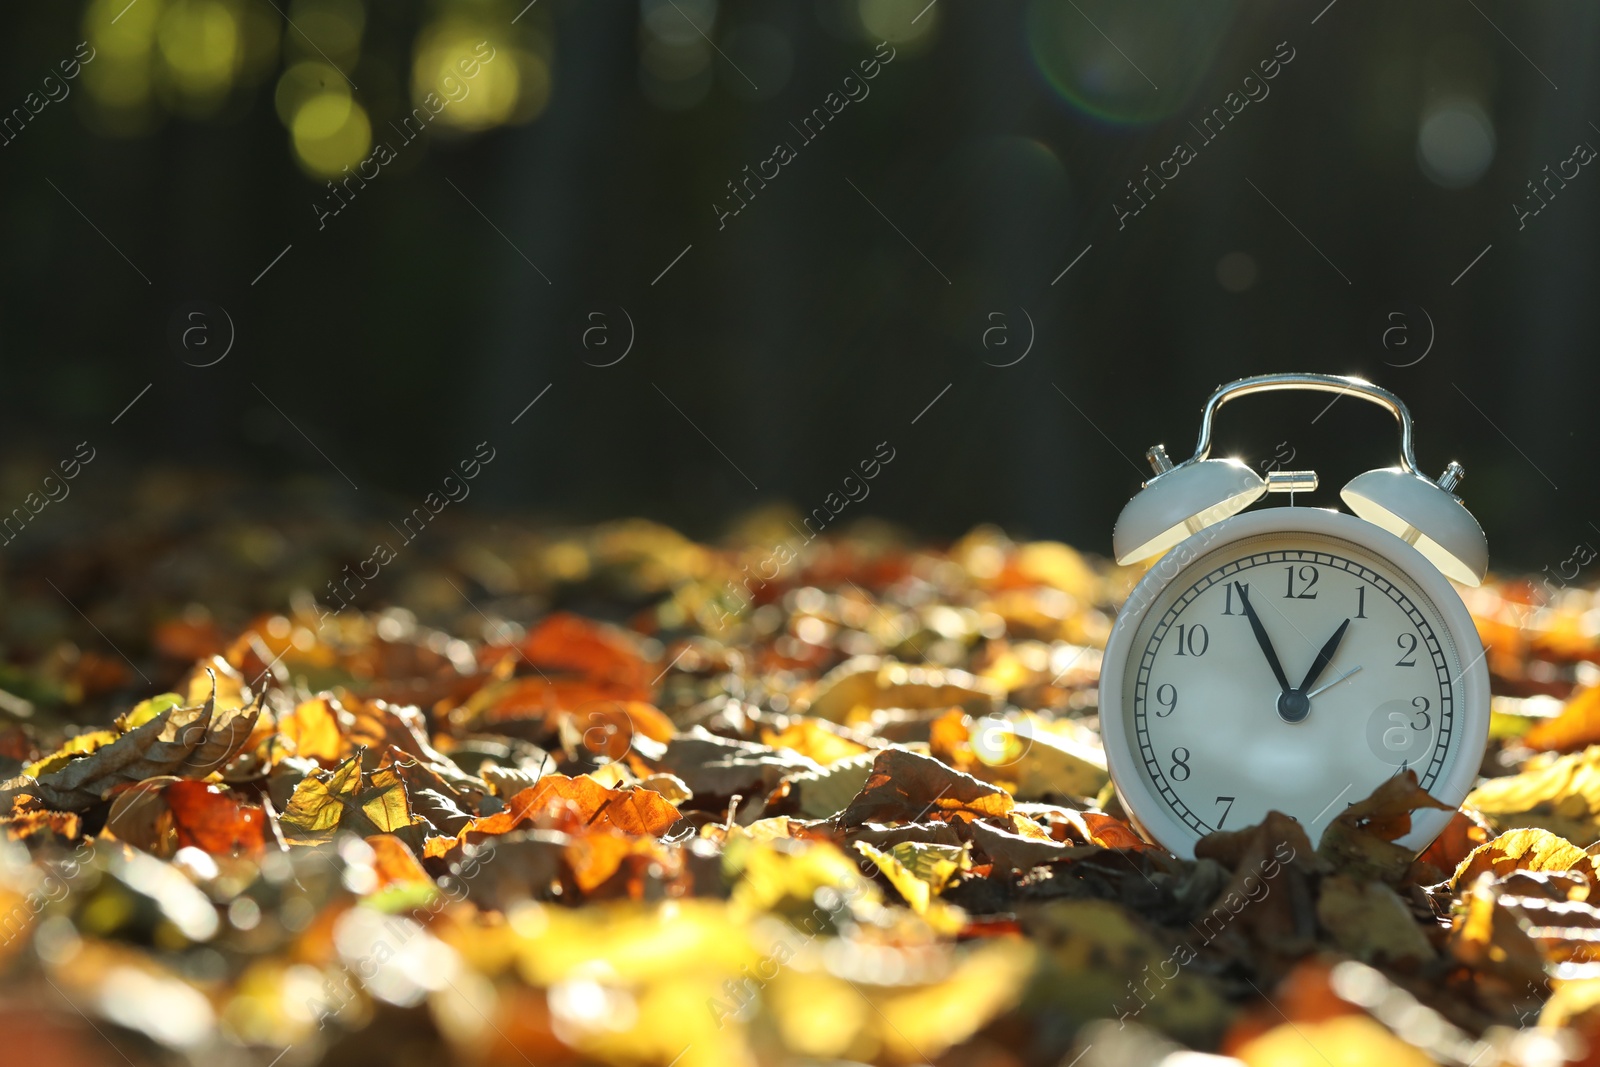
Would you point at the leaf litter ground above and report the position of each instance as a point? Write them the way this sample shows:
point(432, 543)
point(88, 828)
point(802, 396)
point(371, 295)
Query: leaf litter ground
point(610, 796)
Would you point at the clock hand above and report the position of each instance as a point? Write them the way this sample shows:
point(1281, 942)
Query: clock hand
point(1330, 685)
point(1261, 637)
point(1320, 664)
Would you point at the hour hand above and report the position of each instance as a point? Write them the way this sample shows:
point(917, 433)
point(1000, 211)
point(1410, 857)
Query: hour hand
point(1261, 636)
point(1324, 656)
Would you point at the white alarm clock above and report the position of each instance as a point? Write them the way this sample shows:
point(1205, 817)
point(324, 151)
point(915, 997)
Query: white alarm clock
point(1292, 658)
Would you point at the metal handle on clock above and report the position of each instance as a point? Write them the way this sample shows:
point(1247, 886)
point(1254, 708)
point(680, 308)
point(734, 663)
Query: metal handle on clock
point(1320, 383)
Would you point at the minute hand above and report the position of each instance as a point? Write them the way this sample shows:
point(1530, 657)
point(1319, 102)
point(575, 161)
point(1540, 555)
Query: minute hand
point(1325, 656)
point(1261, 637)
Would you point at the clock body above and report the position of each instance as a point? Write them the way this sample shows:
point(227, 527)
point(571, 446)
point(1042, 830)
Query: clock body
point(1384, 657)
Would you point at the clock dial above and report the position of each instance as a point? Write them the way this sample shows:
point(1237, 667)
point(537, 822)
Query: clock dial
point(1290, 672)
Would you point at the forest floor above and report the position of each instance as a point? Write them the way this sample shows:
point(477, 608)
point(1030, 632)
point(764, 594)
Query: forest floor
point(529, 795)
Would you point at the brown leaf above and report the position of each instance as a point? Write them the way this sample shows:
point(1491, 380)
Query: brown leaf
point(1361, 839)
point(1014, 852)
point(715, 768)
point(1370, 921)
point(906, 787)
point(567, 647)
point(1492, 938)
point(176, 741)
point(1465, 831)
point(1268, 896)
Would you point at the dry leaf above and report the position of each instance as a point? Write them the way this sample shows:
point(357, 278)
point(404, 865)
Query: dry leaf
point(174, 741)
point(1578, 725)
point(1370, 921)
point(1524, 850)
point(906, 787)
point(1361, 839)
point(866, 683)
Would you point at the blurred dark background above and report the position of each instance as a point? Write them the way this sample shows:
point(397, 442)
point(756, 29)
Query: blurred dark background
point(1361, 213)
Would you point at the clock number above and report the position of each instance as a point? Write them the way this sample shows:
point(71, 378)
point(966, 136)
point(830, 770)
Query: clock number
point(1180, 762)
point(1409, 643)
point(1361, 602)
point(1225, 810)
point(1193, 640)
point(1308, 575)
point(1167, 697)
point(1244, 594)
point(1396, 738)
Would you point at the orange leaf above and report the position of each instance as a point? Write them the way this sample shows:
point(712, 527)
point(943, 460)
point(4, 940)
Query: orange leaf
point(1578, 725)
point(396, 864)
point(599, 655)
point(581, 802)
point(208, 817)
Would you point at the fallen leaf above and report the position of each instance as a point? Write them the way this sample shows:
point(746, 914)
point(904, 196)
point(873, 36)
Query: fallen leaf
point(716, 767)
point(1348, 1041)
point(1560, 794)
point(312, 728)
point(1492, 938)
point(919, 872)
point(1099, 962)
point(348, 799)
point(213, 819)
point(1361, 839)
point(823, 793)
point(865, 683)
point(815, 739)
point(905, 787)
point(176, 741)
point(1528, 849)
point(1576, 727)
point(570, 804)
point(1370, 921)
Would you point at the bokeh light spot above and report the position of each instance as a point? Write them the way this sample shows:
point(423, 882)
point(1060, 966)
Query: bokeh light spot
point(900, 22)
point(303, 81)
point(482, 80)
point(1165, 43)
point(330, 132)
point(1455, 143)
point(199, 46)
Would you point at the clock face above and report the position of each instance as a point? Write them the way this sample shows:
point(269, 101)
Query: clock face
point(1291, 671)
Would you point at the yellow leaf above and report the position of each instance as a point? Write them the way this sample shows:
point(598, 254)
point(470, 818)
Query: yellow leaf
point(918, 872)
point(1347, 1041)
point(81, 745)
point(146, 710)
point(1527, 849)
point(313, 728)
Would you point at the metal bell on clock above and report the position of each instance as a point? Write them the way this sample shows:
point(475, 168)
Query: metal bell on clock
point(1425, 515)
point(1183, 499)
point(1180, 501)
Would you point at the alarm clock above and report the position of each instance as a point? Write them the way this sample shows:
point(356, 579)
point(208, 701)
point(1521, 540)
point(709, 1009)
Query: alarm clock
point(1292, 658)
